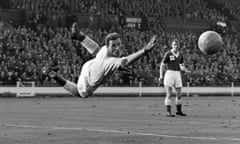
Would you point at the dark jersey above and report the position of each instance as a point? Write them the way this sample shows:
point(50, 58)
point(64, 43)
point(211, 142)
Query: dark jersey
point(171, 61)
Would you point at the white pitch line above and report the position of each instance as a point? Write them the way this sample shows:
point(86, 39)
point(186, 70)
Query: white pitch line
point(124, 132)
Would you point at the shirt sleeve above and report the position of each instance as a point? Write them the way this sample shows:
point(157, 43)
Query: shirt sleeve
point(119, 62)
point(113, 64)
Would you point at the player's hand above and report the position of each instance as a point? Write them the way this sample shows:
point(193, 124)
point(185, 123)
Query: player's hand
point(160, 81)
point(151, 43)
point(188, 71)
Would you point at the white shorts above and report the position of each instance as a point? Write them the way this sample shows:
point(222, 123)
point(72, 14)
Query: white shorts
point(83, 85)
point(173, 79)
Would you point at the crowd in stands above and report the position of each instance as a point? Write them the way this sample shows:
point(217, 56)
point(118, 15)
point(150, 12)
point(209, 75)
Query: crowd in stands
point(24, 52)
point(197, 9)
point(56, 10)
point(232, 5)
point(51, 12)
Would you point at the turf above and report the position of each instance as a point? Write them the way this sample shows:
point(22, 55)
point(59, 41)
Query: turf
point(118, 120)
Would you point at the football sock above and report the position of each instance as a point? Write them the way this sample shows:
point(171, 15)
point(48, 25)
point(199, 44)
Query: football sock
point(179, 108)
point(91, 46)
point(59, 79)
point(169, 110)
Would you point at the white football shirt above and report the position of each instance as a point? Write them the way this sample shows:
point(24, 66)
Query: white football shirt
point(97, 71)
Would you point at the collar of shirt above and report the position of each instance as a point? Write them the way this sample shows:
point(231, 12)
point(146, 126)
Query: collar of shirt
point(176, 54)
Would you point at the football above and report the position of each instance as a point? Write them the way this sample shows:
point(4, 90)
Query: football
point(210, 42)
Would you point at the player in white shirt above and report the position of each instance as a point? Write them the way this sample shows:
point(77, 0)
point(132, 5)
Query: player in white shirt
point(99, 69)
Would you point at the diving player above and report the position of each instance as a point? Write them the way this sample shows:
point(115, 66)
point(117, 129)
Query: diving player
point(99, 69)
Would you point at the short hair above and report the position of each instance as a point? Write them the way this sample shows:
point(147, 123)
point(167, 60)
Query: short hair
point(176, 41)
point(111, 36)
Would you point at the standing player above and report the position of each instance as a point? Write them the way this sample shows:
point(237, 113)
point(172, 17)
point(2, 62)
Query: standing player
point(173, 64)
point(99, 69)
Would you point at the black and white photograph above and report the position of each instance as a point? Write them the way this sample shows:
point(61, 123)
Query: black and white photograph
point(119, 71)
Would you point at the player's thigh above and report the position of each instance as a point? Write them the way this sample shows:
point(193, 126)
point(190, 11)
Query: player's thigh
point(178, 80)
point(82, 83)
point(169, 79)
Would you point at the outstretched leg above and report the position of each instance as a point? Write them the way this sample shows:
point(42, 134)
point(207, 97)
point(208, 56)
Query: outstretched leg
point(91, 46)
point(68, 85)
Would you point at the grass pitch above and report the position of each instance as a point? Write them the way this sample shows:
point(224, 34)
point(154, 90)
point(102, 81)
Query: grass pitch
point(118, 120)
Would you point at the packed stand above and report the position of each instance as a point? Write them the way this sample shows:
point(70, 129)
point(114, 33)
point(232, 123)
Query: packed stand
point(197, 9)
point(50, 12)
point(194, 9)
point(232, 5)
point(54, 12)
point(24, 52)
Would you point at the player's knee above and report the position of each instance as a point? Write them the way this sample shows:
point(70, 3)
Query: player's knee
point(178, 101)
point(72, 88)
point(168, 92)
point(83, 95)
point(178, 95)
point(168, 95)
point(167, 101)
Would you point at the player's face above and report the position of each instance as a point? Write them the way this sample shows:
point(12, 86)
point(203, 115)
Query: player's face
point(115, 46)
point(175, 45)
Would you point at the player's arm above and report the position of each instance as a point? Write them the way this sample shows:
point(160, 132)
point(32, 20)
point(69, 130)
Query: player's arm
point(161, 70)
point(135, 56)
point(183, 67)
point(163, 66)
point(91, 46)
